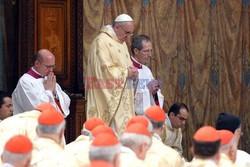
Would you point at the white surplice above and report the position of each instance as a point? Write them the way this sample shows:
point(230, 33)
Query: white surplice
point(30, 92)
point(143, 97)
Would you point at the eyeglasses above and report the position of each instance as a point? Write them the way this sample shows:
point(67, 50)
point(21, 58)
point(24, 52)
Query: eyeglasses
point(48, 66)
point(147, 51)
point(181, 118)
point(128, 33)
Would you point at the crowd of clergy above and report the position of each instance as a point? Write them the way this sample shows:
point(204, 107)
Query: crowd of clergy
point(36, 138)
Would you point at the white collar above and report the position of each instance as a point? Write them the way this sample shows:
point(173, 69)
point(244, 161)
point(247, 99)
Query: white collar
point(111, 29)
point(132, 57)
point(156, 136)
point(36, 71)
point(209, 161)
point(168, 122)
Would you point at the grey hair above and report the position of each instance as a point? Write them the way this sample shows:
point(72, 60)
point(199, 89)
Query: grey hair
point(14, 158)
point(106, 153)
point(121, 23)
point(150, 125)
point(133, 140)
point(85, 132)
point(51, 129)
point(155, 124)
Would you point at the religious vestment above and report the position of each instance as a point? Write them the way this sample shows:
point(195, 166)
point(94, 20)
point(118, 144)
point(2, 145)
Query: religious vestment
point(128, 158)
point(30, 92)
point(242, 158)
point(143, 97)
point(226, 161)
point(160, 155)
point(24, 123)
point(172, 137)
point(197, 162)
point(106, 74)
point(47, 152)
point(80, 149)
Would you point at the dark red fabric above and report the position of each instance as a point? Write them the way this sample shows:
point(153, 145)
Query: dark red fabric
point(59, 105)
point(156, 99)
point(34, 74)
point(137, 65)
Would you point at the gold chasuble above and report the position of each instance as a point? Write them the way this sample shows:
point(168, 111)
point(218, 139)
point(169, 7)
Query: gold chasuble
point(106, 88)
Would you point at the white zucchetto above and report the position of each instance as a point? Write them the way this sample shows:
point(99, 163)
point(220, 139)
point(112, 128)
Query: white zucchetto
point(123, 17)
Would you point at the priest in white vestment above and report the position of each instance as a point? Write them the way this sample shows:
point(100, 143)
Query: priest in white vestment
point(108, 67)
point(147, 91)
point(175, 121)
point(39, 85)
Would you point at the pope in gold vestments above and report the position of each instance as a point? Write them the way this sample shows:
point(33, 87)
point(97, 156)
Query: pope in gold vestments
point(107, 71)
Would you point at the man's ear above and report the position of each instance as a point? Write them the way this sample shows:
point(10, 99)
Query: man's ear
point(140, 148)
point(136, 51)
point(171, 114)
point(116, 27)
point(233, 153)
point(36, 63)
point(2, 158)
point(28, 162)
point(237, 135)
point(116, 160)
point(217, 157)
point(61, 134)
